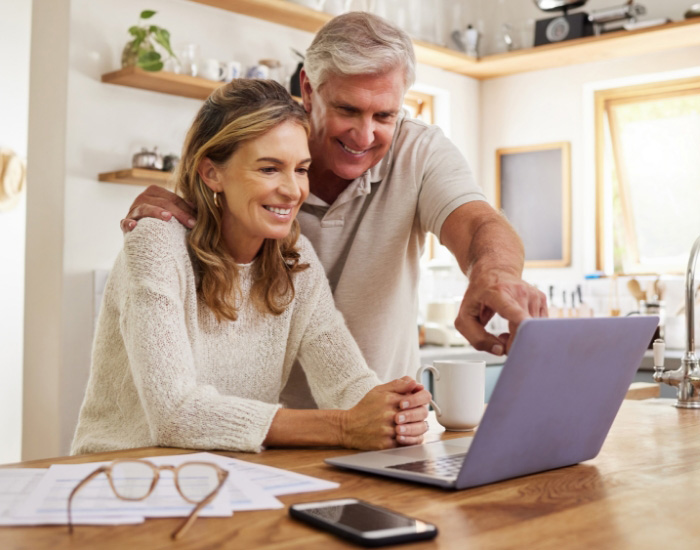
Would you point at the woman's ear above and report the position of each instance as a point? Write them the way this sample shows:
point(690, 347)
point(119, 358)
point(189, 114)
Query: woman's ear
point(211, 175)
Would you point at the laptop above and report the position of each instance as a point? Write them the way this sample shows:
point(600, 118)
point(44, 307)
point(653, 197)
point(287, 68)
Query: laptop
point(553, 404)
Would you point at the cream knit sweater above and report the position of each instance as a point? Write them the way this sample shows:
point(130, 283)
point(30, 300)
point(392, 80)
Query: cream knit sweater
point(165, 372)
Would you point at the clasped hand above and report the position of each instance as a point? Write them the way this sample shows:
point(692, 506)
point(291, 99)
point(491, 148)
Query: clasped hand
point(389, 415)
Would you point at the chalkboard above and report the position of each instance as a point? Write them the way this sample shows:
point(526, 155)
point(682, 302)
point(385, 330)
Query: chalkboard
point(533, 190)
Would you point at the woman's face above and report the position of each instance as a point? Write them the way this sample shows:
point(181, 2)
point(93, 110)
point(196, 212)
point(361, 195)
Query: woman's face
point(264, 183)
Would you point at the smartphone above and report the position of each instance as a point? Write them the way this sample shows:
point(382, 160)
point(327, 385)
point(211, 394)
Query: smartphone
point(362, 523)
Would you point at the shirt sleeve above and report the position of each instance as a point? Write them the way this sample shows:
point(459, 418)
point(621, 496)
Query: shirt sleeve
point(181, 412)
point(446, 180)
point(337, 372)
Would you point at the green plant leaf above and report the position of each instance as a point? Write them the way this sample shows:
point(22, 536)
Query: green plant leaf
point(138, 33)
point(163, 38)
point(148, 57)
point(147, 14)
point(158, 66)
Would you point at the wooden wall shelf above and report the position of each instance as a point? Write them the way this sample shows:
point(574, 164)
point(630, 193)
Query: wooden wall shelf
point(583, 50)
point(138, 176)
point(163, 81)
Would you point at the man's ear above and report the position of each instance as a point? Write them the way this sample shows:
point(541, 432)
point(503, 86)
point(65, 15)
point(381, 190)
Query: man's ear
point(306, 90)
point(211, 175)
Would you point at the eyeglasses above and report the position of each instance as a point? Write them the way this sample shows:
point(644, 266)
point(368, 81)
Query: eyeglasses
point(134, 479)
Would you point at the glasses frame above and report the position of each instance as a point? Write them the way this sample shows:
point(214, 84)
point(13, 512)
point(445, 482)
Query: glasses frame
point(187, 522)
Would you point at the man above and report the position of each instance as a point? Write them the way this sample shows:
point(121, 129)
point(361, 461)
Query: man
point(378, 182)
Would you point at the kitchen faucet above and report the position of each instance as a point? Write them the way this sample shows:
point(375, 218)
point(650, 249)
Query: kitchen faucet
point(687, 377)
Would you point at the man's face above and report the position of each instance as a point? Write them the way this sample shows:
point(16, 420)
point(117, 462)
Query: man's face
point(353, 119)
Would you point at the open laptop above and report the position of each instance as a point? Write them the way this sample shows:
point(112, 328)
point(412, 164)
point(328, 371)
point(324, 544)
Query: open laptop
point(553, 404)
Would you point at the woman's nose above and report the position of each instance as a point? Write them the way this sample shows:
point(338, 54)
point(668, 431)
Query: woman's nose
point(291, 187)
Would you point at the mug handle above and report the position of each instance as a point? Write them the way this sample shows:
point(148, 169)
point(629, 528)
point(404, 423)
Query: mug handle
point(436, 376)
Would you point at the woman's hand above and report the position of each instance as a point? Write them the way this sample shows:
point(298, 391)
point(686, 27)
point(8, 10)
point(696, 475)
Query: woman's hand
point(390, 414)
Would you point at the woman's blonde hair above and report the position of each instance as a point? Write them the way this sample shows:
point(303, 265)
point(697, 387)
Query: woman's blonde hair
point(234, 114)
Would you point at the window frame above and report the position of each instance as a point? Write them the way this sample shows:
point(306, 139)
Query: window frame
point(603, 100)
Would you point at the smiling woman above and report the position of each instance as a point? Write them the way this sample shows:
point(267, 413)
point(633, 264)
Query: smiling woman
point(199, 330)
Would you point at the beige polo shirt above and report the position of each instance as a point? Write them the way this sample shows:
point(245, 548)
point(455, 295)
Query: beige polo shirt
point(371, 238)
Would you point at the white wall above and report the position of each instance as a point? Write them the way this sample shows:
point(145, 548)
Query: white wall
point(556, 105)
point(15, 21)
point(103, 126)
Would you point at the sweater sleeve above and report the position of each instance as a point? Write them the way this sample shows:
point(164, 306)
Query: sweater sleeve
point(181, 412)
point(337, 372)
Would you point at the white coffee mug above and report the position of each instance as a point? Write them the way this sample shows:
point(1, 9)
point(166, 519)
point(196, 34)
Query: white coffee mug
point(458, 393)
point(232, 70)
point(212, 69)
point(258, 71)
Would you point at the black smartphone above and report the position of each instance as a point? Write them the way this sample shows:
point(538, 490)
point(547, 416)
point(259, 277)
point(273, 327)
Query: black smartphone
point(362, 523)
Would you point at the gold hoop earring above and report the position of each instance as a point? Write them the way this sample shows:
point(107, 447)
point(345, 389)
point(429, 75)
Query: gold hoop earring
point(216, 200)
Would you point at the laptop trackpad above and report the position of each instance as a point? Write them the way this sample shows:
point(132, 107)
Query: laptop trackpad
point(430, 450)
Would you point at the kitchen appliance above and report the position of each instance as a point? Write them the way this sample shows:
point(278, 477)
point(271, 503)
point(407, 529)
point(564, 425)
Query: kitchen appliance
point(563, 27)
point(577, 25)
point(440, 327)
point(616, 18)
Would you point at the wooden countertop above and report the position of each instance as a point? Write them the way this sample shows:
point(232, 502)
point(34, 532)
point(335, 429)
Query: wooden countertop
point(640, 492)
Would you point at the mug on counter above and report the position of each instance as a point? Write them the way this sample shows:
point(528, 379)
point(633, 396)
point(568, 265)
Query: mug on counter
point(458, 393)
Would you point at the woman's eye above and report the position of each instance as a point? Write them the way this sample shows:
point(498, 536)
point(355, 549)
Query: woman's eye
point(303, 171)
point(269, 170)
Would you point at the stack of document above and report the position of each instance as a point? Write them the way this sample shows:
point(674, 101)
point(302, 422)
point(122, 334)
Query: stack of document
point(30, 496)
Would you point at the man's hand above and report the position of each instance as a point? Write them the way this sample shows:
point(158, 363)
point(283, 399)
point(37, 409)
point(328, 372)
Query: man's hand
point(156, 202)
point(502, 293)
point(491, 254)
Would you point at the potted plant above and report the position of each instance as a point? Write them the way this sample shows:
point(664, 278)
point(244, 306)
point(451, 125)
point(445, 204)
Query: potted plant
point(141, 50)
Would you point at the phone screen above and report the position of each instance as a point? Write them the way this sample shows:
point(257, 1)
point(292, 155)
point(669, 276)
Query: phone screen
point(362, 522)
point(361, 517)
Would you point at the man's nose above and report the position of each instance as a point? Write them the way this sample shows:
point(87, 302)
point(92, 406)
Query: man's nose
point(363, 134)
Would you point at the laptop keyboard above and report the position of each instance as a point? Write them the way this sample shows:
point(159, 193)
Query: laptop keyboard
point(444, 466)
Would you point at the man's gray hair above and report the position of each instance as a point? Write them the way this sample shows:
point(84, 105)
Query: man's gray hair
point(359, 43)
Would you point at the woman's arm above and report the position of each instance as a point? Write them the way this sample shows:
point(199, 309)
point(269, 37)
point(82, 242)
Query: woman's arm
point(340, 378)
point(371, 424)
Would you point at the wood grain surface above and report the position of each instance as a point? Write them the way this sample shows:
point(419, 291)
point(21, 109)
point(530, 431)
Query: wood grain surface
point(640, 492)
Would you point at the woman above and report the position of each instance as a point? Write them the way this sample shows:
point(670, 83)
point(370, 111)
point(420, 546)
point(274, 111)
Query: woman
point(199, 330)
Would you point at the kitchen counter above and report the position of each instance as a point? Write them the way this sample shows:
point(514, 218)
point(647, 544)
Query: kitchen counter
point(638, 493)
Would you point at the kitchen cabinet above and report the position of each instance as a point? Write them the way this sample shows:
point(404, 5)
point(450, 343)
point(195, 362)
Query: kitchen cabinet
point(582, 50)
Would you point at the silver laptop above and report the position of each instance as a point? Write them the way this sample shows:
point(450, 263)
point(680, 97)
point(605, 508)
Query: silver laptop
point(553, 404)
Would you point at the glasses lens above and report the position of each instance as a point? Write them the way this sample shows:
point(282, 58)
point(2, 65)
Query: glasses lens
point(132, 480)
point(197, 481)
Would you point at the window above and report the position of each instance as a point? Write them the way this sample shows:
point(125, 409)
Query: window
point(648, 176)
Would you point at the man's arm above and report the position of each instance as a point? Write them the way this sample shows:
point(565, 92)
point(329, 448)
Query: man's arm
point(156, 202)
point(491, 254)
